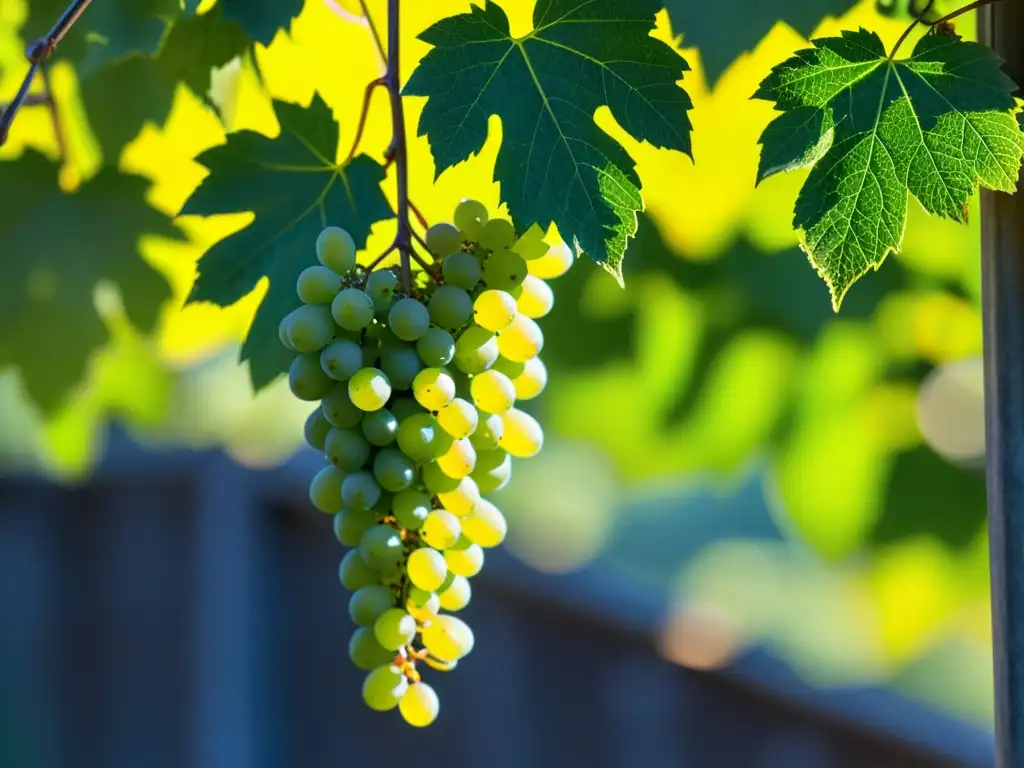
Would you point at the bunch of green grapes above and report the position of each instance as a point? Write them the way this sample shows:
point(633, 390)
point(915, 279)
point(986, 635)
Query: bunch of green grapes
point(417, 420)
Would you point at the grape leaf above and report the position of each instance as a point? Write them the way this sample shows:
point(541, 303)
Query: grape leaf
point(294, 188)
point(724, 29)
point(935, 125)
point(60, 247)
point(555, 164)
point(261, 18)
point(196, 45)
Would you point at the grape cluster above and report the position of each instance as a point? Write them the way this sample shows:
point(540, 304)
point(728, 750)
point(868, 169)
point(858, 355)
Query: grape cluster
point(417, 420)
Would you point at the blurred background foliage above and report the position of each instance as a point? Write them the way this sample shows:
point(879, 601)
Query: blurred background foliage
point(785, 475)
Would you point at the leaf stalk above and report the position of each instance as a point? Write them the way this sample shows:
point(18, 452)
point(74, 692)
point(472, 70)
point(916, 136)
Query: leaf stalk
point(918, 19)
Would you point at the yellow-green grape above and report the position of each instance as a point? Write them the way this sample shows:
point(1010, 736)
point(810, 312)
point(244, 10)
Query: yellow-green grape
point(497, 234)
point(523, 436)
point(336, 250)
point(494, 310)
point(325, 489)
point(384, 687)
point(423, 605)
point(488, 432)
point(426, 568)
point(493, 470)
point(457, 596)
point(537, 298)
point(420, 705)
point(435, 480)
point(555, 263)
point(441, 529)
point(369, 389)
point(459, 460)
point(433, 388)
point(307, 379)
point(443, 238)
point(459, 418)
point(352, 309)
point(448, 638)
point(317, 285)
point(462, 269)
point(530, 244)
point(532, 380)
point(463, 499)
point(504, 270)
point(465, 561)
point(521, 340)
point(492, 391)
point(470, 217)
point(485, 525)
point(394, 628)
point(309, 328)
point(476, 350)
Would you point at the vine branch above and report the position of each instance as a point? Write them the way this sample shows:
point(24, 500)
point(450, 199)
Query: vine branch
point(918, 19)
point(37, 53)
point(398, 149)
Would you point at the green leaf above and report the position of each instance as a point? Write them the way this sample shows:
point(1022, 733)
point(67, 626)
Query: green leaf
point(294, 187)
point(261, 18)
point(935, 125)
point(555, 164)
point(198, 44)
point(724, 29)
point(106, 31)
point(60, 247)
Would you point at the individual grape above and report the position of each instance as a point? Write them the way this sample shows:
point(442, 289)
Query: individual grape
point(470, 217)
point(463, 499)
point(493, 470)
point(450, 307)
point(306, 379)
point(401, 364)
point(433, 388)
point(316, 429)
point(360, 490)
point(458, 594)
point(459, 460)
point(448, 638)
point(555, 263)
point(421, 604)
point(310, 328)
point(336, 250)
point(440, 530)
point(532, 380)
point(365, 652)
point(409, 319)
point(494, 310)
point(476, 350)
point(485, 525)
point(380, 427)
point(488, 432)
point(521, 340)
point(380, 287)
point(421, 438)
point(318, 285)
point(442, 239)
point(419, 705)
point(410, 508)
point(339, 410)
point(436, 347)
point(394, 470)
point(368, 603)
point(537, 298)
point(435, 480)
point(462, 270)
point(282, 333)
point(369, 389)
point(498, 234)
point(404, 407)
point(346, 449)
point(510, 368)
point(384, 687)
point(426, 568)
point(523, 436)
point(394, 628)
point(492, 392)
point(381, 548)
point(351, 524)
point(465, 561)
point(459, 418)
point(341, 359)
point(325, 489)
point(352, 309)
point(355, 574)
point(504, 270)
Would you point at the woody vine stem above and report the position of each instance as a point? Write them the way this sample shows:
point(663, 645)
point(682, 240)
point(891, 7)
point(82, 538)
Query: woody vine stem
point(398, 149)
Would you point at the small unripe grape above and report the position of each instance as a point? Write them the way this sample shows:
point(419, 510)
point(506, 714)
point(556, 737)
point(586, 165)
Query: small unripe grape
point(523, 436)
point(532, 380)
point(462, 269)
point(394, 628)
point(497, 234)
point(494, 310)
point(381, 547)
point(443, 238)
point(426, 568)
point(419, 705)
point(537, 298)
point(522, 340)
point(369, 603)
point(369, 389)
point(441, 529)
point(317, 285)
point(346, 449)
point(492, 392)
point(470, 217)
point(309, 328)
point(435, 480)
point(339, 410)
point(410, 508)
point(365, 652)
point(476, 350)
point(307, 379)
point(325, 489)
point(316, 429)
point(408, 319)
point(384, 687)
point(555, 263)
point(450, 307)
point(341, 359)
point(352, 309)
point(336, 250)
point(488, 432)
point(504, 270)
point(448, 638)
point(380, 287)
point(436, 347)
point(354, 573)
point(433, 388)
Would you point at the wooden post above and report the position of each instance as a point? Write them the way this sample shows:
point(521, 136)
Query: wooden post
point(1002, 222)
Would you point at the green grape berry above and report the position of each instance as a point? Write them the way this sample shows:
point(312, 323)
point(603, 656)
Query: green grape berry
point(419, 705)
point(450, 307)
point(317, 285)
point(436, 347)
point(443, 239)
point(365, 652)
point(462, 270)
point(369, 389)
point(352, 309)
point(408, 319)
point(336, 250)
point(384, 687)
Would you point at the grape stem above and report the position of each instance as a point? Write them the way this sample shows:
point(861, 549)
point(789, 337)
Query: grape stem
point(363, 114)
point(37, 53)
point(919, 19)
point(399, 151)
